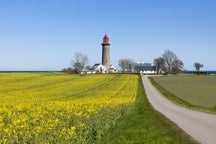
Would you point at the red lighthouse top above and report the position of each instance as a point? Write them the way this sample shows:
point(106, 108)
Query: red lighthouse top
point(106, 39)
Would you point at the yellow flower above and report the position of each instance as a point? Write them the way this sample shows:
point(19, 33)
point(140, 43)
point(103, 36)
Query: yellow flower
point(81, 124)
point(43, 105)
point(39, 129)
point(71, 131)
point(62, 132)
point(7, 131)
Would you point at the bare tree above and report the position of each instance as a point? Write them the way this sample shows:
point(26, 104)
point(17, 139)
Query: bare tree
point(125, 64)
point(198, 66)
point(159, 63)
point(171, 62)
point(177, 66)
point(79, 62)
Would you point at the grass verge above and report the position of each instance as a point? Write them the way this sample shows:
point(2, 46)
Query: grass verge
point(142, 124)
point(178, 100)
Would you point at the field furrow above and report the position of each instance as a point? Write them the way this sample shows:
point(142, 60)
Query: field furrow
point(62, 108)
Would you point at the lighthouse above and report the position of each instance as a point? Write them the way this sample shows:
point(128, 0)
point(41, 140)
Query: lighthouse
point(106, 51)
point(105, 66)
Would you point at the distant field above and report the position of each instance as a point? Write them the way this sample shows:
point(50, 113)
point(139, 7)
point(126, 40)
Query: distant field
point(197, 90)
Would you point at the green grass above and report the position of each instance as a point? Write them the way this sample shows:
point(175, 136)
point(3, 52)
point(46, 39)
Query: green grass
point(142, 124)
point(196, 92)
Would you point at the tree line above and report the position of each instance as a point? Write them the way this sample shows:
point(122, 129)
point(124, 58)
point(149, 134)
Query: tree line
point(167, 63)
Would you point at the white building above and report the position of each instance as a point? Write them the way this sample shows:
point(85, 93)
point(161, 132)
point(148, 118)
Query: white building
point(105, 67)
point(144, 68)
point(99, 68)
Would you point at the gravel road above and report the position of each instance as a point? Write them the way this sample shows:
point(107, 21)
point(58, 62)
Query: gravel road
point(199, 125)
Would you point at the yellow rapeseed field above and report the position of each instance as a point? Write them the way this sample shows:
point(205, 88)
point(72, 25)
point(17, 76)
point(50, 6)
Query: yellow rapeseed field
point(62, 108)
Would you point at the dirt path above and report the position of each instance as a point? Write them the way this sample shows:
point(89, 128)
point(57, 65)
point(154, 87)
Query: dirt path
point(201, 126)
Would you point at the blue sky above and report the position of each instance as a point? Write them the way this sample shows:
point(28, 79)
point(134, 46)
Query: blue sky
point(45, 34)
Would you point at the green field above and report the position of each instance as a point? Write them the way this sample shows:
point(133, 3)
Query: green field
point(196, 91)
point(143, 125)
point(64, 108)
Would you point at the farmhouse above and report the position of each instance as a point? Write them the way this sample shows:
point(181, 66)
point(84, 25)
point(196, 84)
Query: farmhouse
point(144, 68)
